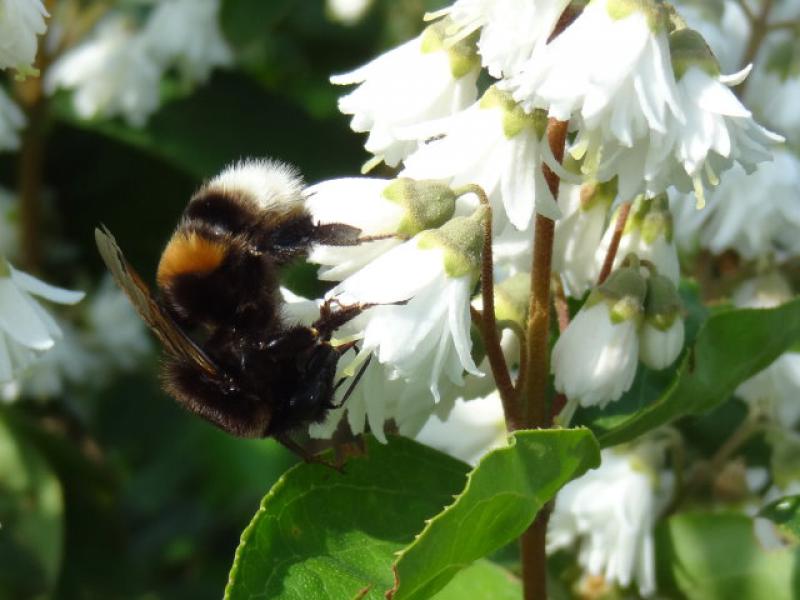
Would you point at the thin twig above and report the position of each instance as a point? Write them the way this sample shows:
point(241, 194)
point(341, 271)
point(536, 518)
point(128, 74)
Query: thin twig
point(747, 10)
point(759, 28)
point(611, 255)
point(488, 323)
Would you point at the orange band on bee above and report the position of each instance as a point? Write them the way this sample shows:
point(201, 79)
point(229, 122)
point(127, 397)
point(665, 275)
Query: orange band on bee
point(188, 253)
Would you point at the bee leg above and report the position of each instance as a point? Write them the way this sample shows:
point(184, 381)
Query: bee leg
point(330, 320)
point(336, 234)
point(292, 446)
point(353, 385)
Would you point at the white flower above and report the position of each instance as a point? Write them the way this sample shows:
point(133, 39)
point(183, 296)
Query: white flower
point(426, 338)
point(610, 513)
point(648, 234)
point(20, 22)
point(119, 334)
point(379, 208)
point(187, 33)
point(756, 215)
point(473, 428)
point(26, 329)
point(610, 68)
point(11, 122)
point(348, 12)
point(510, 30)
point(658, 348)
point(717, 132)
point(111, 74)
point(493, 144)
point(774, 97)
point(69, 361)
point(595, 359)
point(578, 235)
point(415, 82)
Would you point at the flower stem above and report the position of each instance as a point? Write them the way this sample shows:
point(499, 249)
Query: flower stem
point(487, 321)
point(619, 227)
point(536, 367)
point(759, 28)
point(31, 166)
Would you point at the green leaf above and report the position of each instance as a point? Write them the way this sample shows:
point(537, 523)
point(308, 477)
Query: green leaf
point(31, 515)
point(501, 499)
point(731, 347)
point(324, 534)
point(482, 580)
point(706, 556)
point(785, 513)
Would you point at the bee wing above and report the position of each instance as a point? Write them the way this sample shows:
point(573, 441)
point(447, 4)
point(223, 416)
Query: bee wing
point(175, 341)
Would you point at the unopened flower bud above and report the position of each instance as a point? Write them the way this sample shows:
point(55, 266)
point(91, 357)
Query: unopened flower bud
point(689, 49)
point(595, 359)
point(426, 204)
point(463, 54)
point(511, 300)
point(656, 243)
point(662, 335)
point(461, 239)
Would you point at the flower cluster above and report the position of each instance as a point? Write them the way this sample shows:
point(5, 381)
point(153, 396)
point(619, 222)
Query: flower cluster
point(117, 70)
point(656, 131)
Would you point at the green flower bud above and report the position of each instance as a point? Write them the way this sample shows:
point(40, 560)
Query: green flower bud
point(593, 194)
point(515, 119)
point(461, 239)
point(512, 299)
point(655, 11)
point(663, 304)
point(463, 54)
point(689, 49)
point(624, 291)
point(658, 221)
point(428, 204)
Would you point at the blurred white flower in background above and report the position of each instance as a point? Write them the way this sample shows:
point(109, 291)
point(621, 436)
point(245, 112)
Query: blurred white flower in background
point(186, 33)
point(112, 73)
point(116, 332)
point(26, 329)
point(347, 12)
point(68, 362)
point(757, 215)
point(415, 82)
point(21, 21)
point(12, 120)
point(610, 514)
point(775, 389)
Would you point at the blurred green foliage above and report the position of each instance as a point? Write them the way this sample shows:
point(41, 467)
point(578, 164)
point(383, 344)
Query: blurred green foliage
point(121, 494)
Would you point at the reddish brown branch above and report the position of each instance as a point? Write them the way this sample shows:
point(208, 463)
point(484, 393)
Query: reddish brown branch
point(611, 255)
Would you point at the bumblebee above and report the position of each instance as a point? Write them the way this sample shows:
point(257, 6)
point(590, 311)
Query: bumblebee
point(230, 355)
